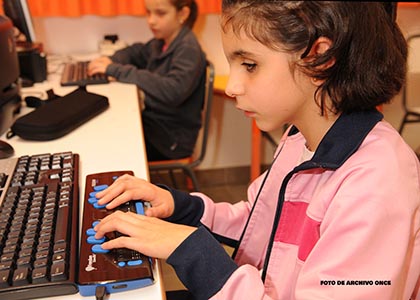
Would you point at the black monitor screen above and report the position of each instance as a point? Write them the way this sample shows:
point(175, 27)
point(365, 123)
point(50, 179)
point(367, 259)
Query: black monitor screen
point(391, 9)
point(18, 12)
point(9, 71)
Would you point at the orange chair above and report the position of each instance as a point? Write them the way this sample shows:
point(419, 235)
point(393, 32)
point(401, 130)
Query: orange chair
point(411, 90)
point(189, 163)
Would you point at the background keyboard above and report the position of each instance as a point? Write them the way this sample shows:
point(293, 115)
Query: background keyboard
point(39, 209)
point(76, 74)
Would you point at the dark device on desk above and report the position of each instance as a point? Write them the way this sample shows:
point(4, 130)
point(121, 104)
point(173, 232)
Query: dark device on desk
point(10, 100)
point(59, 116)
point(116, 270)
point(32, 59)
point(32, 62)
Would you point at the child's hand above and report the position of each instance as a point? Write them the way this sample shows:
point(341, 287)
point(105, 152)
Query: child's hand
point(128, 187)
point(150, 236)
point(99, 65)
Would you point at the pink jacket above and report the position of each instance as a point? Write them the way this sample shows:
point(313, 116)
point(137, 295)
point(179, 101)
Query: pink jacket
point(344, 225)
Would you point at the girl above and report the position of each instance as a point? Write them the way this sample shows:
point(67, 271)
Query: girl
point(170, 70)
point(337, 215)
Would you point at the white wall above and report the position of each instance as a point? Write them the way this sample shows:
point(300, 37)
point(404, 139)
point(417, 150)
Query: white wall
point(230, 133)
point(409, 21)
point(229, 141)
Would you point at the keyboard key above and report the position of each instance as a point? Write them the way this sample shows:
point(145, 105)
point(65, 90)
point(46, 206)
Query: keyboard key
point(99, 206)
point(134, 262)
point(58, 257)
point(139, 208)
point(40, 263)
point(93, 241)
point(99, 188)
point(39, 275)
point(98, 249)
point(20, 276)
point(122, 264)
point(24, 261)
point(58, 271)
point(92, 194)
point(6, 265)
point(4, 278)
point(90, 232)
point(62, 230)
point(92, 200)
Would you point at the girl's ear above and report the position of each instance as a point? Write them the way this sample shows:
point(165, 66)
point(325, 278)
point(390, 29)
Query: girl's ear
point(183, 14)
point(319, 47)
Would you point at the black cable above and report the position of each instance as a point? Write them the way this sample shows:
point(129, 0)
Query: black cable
point(32, 101)
point(100, 292)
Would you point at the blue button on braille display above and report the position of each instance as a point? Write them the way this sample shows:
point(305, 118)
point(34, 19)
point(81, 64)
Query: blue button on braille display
point(92, 194)
point(121, 264)
point(96, 205)
point(92, 200)
point(91, 240)
point(134, 262)
point(139, 208)
point(97, 249)
point(94, 223)
point(90, 232)
point(99, 188)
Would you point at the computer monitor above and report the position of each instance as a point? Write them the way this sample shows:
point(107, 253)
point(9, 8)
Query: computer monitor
point(9, 74)
point(9, 71)
point(18, 12)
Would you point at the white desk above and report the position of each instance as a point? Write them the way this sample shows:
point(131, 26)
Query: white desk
point(111, 141)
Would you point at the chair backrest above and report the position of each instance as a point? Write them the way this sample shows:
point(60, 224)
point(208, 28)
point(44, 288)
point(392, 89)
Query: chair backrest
point(201, 145)
point(411, 89)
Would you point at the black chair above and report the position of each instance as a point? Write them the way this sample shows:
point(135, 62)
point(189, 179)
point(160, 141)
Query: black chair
point(189, 163)
point(411, 89)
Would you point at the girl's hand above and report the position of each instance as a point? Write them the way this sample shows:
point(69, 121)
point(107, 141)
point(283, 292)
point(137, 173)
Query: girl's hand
point(148, 235)
point(127, 187)
point(99, 65)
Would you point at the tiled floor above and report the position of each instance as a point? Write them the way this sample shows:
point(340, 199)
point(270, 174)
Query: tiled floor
point(221, 185)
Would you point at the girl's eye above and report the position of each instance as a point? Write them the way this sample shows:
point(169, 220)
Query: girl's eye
point(250, 67)
point(160, 13)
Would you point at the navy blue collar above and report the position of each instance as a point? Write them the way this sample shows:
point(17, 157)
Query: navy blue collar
point(343, 138)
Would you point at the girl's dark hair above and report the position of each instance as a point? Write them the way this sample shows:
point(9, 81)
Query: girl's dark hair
point(179, 4)
point(368, 51)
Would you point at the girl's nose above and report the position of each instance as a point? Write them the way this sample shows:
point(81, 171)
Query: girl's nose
point(233, 87)
point(150, 19)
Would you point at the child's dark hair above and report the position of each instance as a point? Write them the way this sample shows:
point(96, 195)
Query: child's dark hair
point(368, 49)
point(179, 4)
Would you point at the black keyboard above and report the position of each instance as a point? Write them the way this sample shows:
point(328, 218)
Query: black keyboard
point(39, 217)
point(75, 74)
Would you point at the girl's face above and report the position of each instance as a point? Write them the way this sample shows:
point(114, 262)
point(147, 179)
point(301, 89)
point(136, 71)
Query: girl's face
point(164, 20)
point(263, 84)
